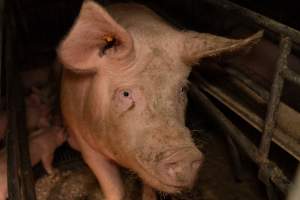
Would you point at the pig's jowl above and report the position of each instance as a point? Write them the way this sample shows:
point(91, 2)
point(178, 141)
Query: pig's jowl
point(123, 94)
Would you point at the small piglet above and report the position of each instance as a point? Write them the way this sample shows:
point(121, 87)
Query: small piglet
point(37, 115)
point(42, 145)
point(37, 112)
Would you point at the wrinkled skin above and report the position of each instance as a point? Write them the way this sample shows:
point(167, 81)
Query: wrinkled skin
point(42, 144)
point(123, 95)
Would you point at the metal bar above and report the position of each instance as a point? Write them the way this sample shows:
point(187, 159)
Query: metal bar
point(281, 136)
point(245, 144)
point(1, 42)
point(258, 18)
point(14, 180)
point(276, 91)
point(291, 76)
point(248, 82)
point(272, 113)
point(226, 124)
point(20, 180)
point(236, 160)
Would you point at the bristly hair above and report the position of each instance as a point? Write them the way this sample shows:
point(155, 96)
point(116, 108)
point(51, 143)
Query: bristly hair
point(186, 84)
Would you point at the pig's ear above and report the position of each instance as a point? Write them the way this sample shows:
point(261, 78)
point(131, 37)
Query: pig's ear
point(201, 45)
point(95, 40)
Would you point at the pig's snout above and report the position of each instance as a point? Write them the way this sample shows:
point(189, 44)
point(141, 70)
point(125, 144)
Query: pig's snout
point(180, 169)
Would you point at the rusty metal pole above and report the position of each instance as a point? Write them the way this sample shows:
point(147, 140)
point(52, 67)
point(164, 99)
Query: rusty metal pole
point(276, 91)
point(19, 173)
point(1, 42)
point(291, 76)
point(258, 18)
point(271, 117)
point(276, 175)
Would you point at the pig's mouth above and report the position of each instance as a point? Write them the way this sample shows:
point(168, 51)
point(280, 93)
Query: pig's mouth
point(159, 175)
point(154, 181)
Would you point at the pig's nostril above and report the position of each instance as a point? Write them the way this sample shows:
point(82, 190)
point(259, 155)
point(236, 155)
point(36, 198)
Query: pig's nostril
point(176, 171)
point(174, 168)
point(182, 170)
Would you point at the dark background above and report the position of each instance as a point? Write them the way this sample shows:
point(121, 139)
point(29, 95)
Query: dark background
point(48, 21)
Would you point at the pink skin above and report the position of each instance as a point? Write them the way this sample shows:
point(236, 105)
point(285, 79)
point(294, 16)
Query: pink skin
point(3, 176)
point(42, 145)
point(123, 95)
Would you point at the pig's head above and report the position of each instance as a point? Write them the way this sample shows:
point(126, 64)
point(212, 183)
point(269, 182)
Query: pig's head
point(135, 99)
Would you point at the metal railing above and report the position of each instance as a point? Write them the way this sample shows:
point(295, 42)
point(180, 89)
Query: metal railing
point(269, 172)
point(20, 179)
point(19, 170)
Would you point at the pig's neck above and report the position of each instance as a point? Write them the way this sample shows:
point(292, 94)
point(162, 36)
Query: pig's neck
point(83, 110)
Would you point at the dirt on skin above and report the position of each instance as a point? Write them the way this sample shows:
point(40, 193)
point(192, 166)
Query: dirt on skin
point(216, 178)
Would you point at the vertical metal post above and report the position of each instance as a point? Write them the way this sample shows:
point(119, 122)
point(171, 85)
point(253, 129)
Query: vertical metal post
point(236, 160)
point(276, 91)
point(274, 172)
point(271, 116)
point(20, 181)
point(1, 42)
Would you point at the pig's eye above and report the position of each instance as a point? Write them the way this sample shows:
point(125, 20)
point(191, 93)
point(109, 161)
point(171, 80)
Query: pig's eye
point(126, 93)
point(124, 100)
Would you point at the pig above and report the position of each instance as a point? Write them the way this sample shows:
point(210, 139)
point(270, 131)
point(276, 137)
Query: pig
point(37, 115)
point(123, 95)
point(42, 145)
point(37, 112)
